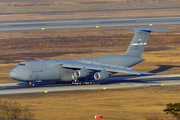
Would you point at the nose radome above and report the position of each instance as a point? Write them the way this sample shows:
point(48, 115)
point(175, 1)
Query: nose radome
point(13, 74)
point(19, 74)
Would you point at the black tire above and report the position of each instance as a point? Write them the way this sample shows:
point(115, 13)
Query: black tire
point(30, 85)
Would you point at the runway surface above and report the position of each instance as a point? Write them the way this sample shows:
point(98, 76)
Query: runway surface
point(89, 23)
point(120, 82)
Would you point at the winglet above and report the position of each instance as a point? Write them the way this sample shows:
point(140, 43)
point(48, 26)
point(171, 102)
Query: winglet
point(147, 29)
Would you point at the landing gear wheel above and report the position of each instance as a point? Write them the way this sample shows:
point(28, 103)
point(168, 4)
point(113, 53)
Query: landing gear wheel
point(59, 82)
point(30, 84)
point(87, 83)
point(76, 82)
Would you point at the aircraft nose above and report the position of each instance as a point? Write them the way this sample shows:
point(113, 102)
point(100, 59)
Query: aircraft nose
point(13, 74)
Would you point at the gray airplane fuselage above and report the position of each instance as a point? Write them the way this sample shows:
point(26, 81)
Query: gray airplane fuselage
point(83, 69)
point(50, 70)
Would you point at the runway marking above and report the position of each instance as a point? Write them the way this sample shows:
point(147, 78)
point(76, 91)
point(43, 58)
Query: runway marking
point(138, 84)
point(123, 83)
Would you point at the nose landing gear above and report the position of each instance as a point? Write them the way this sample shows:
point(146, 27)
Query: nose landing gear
point(30, 84)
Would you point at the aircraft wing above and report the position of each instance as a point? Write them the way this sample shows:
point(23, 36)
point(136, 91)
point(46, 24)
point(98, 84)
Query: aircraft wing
point(88, 66)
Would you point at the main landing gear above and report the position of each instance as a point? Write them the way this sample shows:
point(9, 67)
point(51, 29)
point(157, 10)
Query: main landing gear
point(77, 82)
point(61, 82)
point(30, 84)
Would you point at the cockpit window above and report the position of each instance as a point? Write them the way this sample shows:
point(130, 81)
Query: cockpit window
point(22, 64)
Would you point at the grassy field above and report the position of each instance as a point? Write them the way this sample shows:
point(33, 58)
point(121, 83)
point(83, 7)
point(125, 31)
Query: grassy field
point(162, 50)
point(125, 104)
point(128, 104)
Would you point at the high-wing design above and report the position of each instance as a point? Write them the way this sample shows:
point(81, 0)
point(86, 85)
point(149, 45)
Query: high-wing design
point(99, 67)
point(80, 70)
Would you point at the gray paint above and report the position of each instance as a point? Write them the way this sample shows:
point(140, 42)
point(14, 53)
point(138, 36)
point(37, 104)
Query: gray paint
point(117, 60)
point(62, 70)
point(140, 38)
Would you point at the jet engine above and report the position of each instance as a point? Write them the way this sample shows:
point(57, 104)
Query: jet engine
point(81, 73)
point(100, 75)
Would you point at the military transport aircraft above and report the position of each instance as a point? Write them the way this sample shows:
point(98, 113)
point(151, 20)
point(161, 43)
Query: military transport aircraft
point(83, 70)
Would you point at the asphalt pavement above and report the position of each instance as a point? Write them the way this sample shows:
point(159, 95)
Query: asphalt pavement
point(89, 23)
point(117, 82)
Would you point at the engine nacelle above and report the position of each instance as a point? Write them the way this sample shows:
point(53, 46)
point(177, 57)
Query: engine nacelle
point(100, 76)
point(81, 73)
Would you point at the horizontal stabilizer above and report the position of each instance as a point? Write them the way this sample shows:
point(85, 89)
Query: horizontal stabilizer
point(147, 29)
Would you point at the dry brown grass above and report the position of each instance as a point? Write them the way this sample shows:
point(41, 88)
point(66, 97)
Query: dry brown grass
point(85, 7)
point(90, 15)
point(137, 104)
point(65, 2)
point(88, 37)
point(17, 46)
point(7, 79)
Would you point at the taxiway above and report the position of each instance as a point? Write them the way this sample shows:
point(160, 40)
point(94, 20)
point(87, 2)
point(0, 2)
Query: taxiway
point(89, 23)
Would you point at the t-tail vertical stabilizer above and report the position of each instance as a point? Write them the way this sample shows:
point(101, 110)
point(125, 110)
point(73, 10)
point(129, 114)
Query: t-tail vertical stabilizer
point(139, 41)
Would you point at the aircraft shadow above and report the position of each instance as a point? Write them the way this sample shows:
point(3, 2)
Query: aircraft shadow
point(140, 79)
point(163, 68)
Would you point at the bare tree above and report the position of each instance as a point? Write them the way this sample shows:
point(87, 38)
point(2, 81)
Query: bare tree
point(10, 110)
